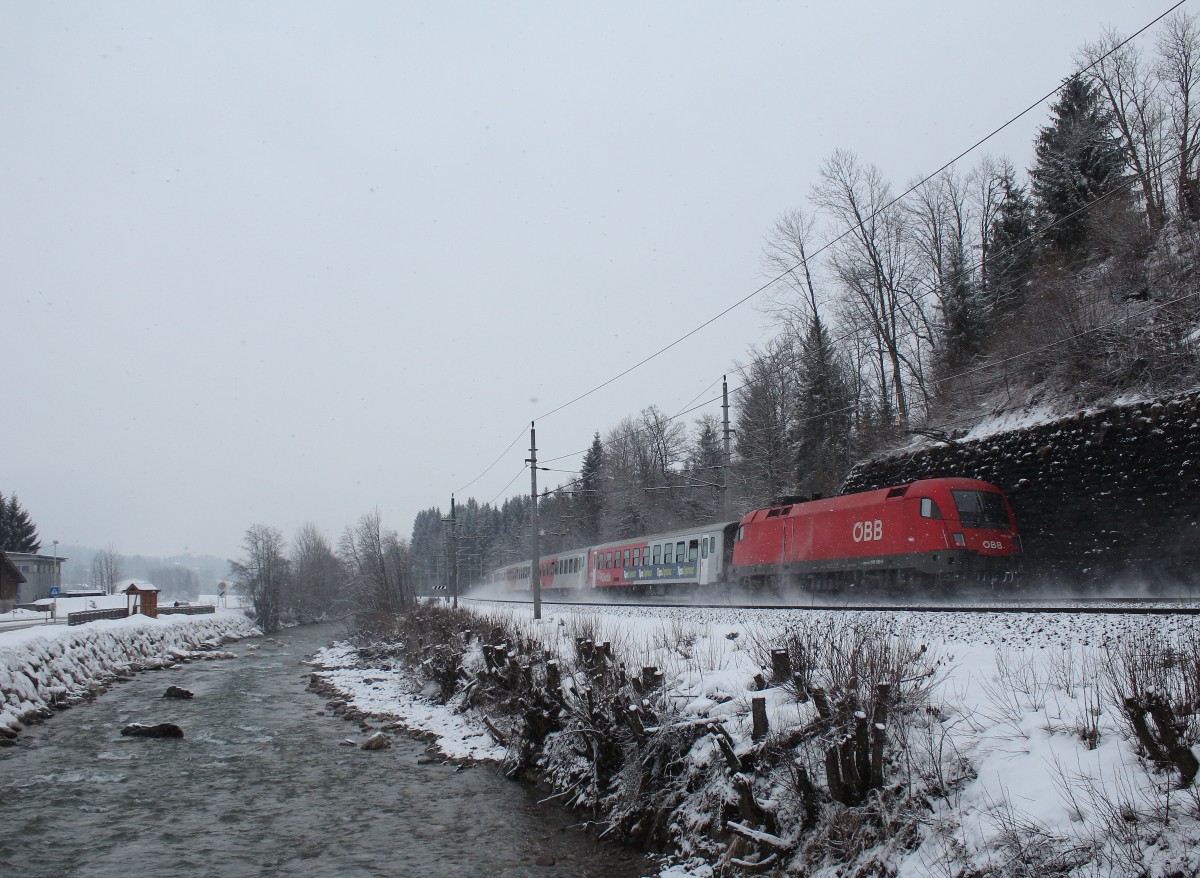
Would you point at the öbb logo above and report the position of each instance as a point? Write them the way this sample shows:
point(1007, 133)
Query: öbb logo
point(868, 531)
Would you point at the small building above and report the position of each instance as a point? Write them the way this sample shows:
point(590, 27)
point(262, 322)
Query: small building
point(41, 574)
point(11, 579)
point(142, 597)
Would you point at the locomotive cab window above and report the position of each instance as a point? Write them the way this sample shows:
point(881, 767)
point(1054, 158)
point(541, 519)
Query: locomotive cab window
point(929, 508)
point(981, 509)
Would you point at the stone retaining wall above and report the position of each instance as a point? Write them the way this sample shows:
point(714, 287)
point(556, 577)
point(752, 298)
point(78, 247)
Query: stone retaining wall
point(1105, 495)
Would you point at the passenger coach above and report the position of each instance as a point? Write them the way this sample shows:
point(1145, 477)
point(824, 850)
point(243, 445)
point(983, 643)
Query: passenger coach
point(663, 563)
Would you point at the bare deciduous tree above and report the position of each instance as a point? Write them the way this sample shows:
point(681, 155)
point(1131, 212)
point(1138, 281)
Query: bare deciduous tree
point(378, 566)
point(262, 573)
point(874, 265)
point(106, 569)
point(1131, 93)
point(1178, 70)
point(317, 575)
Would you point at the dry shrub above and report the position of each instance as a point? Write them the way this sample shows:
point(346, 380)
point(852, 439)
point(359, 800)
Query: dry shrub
point(849, 659)
point(1154, 684)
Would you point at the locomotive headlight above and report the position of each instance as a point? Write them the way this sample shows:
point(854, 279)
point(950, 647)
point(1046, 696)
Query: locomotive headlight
point(959, 540)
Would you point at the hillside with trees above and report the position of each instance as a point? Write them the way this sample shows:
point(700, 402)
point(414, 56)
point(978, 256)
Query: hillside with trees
point(920, 310)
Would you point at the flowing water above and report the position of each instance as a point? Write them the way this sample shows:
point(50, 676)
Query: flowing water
point(260, 786)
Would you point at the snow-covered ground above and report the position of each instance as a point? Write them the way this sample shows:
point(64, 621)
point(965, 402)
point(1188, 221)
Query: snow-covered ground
point(46, 665)
point(1023, 749)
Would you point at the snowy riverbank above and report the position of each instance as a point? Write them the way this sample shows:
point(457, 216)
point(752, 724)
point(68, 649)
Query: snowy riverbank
point(50, 667)
point(1007, 742)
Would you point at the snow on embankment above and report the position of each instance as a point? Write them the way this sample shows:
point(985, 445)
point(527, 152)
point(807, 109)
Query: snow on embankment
point(888, 743)
point(48, 667)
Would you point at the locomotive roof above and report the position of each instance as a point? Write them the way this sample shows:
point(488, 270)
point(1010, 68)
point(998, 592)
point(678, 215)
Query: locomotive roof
point(874, 494)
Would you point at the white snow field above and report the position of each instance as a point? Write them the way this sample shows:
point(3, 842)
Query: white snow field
point(46, 665)
point(1023, 757)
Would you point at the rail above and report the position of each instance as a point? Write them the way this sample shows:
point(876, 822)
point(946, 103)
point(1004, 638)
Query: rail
point(1084, 606)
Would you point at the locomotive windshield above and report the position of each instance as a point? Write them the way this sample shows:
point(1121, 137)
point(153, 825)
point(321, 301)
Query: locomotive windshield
point(981, 509)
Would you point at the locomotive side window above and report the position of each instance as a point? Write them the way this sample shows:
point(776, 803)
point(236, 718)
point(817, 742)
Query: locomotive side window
point(929, 508)
point(740, 534)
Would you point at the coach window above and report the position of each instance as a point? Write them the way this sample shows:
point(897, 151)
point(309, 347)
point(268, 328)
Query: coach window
point(693, 549)
point(668, 553)
point(929, 509)
point(626, 559)
point(658, 554)
point(679, 547)
point(704, 548)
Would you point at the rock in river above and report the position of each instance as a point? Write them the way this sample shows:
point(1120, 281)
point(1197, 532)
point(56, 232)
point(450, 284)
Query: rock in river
point(162, 730)
point(378, 741)
point(178, 692)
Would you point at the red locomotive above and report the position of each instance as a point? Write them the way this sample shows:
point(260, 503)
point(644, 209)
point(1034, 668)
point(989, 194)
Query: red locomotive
point(934, 529)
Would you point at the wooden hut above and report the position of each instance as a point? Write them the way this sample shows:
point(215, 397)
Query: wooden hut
point(142, 597)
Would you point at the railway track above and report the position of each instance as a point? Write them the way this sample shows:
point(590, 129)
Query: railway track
point(1078, 606)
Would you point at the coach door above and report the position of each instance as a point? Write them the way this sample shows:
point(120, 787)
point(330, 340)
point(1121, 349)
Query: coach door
point(709, 560)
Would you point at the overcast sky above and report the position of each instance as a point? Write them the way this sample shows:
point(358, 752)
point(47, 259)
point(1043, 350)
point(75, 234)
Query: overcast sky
point(287, 262)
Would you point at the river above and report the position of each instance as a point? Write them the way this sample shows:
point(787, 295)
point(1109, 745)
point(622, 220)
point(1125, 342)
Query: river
point(260, 786)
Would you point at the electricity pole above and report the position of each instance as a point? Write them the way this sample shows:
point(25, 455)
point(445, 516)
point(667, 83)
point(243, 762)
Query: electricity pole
point(725, 421)
point(535, 567)
point(453, 554)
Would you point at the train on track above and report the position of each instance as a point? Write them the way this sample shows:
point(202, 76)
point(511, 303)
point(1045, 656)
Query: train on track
point(925, 535)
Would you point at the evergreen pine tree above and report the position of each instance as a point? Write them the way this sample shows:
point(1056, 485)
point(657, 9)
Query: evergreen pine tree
point(962, 317)
point(824, 414)
point(1078, 159)
point(1010, 250)
point(705, 461)
point(591, 503)
point(17, 530)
